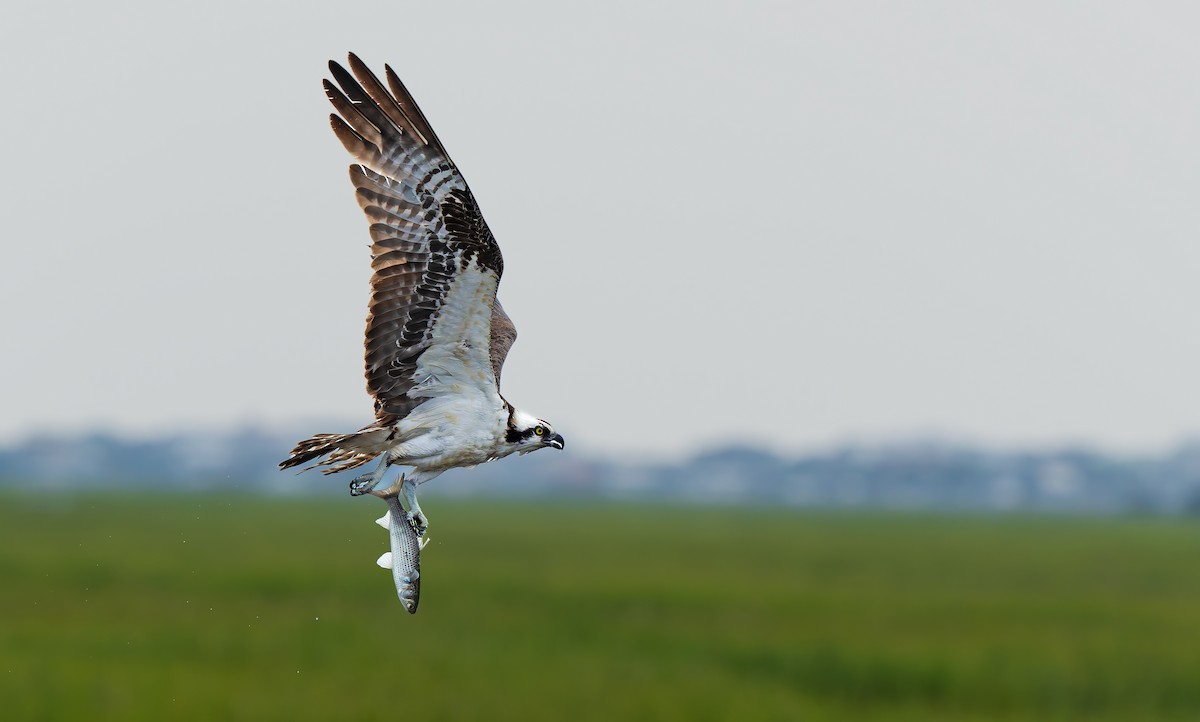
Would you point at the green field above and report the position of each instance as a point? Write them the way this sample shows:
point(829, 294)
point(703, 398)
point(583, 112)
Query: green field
point(210, 608)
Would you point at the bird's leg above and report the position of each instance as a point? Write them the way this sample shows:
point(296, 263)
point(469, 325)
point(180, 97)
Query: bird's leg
point(360, 485)
point(414, 516)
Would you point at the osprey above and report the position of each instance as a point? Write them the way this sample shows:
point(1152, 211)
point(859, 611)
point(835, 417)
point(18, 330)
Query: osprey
point(436, 335)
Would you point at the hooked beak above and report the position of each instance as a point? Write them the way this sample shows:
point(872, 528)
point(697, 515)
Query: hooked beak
point(556, 441)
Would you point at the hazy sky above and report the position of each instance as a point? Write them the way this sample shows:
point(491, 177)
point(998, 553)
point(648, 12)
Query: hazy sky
point(786, 223)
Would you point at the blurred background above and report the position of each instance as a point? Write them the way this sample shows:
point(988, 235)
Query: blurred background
point(866, 324)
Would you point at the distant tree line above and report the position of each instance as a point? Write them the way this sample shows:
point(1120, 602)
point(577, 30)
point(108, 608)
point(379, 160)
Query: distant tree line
point(899, 476)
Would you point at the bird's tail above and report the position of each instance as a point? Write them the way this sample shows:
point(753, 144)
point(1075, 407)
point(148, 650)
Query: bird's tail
point(343, 451)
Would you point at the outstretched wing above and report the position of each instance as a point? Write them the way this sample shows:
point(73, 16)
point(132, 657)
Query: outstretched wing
point(433, 320)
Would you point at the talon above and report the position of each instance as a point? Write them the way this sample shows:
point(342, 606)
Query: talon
point(360, 485)
point(365, 483)
point(418, 522)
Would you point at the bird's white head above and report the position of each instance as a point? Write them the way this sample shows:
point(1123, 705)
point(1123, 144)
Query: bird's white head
point(529, 433)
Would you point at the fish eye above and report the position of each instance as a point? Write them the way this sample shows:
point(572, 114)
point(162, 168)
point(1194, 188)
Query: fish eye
point(541, 430)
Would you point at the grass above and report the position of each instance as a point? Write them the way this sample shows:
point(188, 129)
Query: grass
point(204, 607)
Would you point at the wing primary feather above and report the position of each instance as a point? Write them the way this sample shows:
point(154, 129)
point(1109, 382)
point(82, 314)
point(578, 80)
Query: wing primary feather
point(405, 100)
point(387, 104)
point(354, 143)
point(353, 115)
point(366, 107)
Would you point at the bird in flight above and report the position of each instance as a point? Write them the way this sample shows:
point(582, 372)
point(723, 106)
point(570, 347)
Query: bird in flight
point(436, 335)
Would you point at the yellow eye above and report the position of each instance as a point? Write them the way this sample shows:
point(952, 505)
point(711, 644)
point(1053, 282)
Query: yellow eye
point(539, 431)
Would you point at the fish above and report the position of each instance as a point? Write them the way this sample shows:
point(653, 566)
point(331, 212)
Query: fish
point(404, 559)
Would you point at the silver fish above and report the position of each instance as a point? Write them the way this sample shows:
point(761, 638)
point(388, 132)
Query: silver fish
point(405, 557)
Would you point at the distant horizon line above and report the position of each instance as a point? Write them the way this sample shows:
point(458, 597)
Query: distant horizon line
point(699, 447)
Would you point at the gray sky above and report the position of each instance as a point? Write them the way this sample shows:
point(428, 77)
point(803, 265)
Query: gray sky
point(784, 223)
